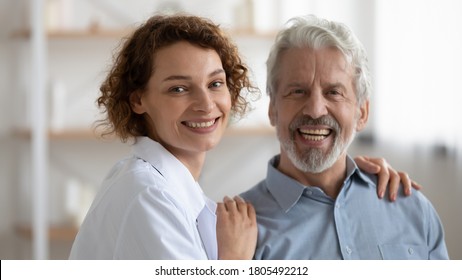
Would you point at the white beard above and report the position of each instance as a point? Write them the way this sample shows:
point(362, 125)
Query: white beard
point(314, 160)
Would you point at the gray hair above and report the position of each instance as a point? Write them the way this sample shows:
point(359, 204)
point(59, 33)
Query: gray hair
point(311, 31)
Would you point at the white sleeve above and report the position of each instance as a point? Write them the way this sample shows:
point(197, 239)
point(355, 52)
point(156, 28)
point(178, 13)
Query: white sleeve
point(154, 228)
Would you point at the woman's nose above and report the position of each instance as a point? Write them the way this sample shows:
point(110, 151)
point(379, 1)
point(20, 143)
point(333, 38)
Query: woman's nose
point(204, 101)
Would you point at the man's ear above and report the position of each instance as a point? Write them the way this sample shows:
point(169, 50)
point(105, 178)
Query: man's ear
point(363, 116)
point(272, 112)
point(136, 102)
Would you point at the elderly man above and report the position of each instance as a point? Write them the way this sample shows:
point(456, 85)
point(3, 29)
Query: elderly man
point(315, 203)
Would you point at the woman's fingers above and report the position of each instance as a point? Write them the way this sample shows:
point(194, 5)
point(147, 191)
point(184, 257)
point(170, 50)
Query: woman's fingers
point(236, 229)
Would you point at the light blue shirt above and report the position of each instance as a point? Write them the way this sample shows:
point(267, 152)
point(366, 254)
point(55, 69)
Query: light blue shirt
point(302, 222)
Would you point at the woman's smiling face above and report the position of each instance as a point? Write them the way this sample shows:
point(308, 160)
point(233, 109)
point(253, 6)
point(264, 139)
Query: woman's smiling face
point(187, 102)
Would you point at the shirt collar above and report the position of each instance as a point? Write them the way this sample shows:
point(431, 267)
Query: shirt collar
point(287, 191)
point(354, 171)
point(180, 181)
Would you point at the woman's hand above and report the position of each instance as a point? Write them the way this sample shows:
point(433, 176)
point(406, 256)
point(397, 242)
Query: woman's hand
point(386, 176)
point(236, 229)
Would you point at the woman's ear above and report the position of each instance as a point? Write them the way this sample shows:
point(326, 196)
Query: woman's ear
point(136, 102)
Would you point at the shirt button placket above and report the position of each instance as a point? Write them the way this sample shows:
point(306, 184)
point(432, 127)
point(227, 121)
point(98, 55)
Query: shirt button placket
point(347, 251)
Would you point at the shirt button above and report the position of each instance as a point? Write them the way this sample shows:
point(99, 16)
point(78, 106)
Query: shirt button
point(310, 192)
point(348, 250)
point(337, 205)
point(411, 251)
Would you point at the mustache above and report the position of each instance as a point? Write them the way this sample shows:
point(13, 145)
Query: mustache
point(326, 120)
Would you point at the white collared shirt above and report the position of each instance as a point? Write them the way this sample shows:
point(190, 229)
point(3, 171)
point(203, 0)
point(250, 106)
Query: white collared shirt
point(149, 207)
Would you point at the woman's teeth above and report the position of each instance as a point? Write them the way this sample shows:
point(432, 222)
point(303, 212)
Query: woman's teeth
point(200, 124)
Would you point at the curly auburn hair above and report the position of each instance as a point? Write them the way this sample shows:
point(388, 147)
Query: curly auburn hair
point(134, 65)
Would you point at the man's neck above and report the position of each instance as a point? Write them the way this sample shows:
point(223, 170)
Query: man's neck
point(330, 180)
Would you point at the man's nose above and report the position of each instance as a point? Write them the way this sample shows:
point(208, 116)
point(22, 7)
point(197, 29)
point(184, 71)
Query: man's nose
point(315, 105)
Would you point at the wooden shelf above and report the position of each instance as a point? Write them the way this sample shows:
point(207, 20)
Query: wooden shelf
point(250, 131)
point(73, 134)
point(77, 33)
point(66, 233)
point(252, 33)
point(88, 134)
point(122, 32)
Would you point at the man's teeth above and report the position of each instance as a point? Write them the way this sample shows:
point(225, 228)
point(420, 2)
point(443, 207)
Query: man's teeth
point(314, 134)
point(313, 138)
point(200, 124)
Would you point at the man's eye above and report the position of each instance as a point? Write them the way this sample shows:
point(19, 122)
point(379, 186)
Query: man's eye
point(298, 91)
point(333, 92)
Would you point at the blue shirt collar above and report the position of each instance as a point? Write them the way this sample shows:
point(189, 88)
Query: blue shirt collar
point(287, 191)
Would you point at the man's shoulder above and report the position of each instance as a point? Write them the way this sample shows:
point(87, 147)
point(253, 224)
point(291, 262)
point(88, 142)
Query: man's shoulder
point(368, 178)
point(265, 204)
point(256, 192)
point(417, 196)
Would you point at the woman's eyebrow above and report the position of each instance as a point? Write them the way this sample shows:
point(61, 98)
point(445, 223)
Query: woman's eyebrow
point(177, 77)
point(183, 77)
point(216, 72)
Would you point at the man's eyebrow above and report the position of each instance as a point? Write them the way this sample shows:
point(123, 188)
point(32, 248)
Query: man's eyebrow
point(335, 85)
point(294, 84)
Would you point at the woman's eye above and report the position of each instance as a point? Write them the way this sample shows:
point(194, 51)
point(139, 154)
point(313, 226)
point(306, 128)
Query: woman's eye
point(177, 89)
point(216, 84)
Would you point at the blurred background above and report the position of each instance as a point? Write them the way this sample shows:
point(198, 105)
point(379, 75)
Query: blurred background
point(55, 53)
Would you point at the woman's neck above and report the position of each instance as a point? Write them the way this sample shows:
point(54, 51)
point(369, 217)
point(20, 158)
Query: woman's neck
point(193, 160)
point(194, 163)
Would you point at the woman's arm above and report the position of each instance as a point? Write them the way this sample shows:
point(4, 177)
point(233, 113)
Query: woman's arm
point(387, 176)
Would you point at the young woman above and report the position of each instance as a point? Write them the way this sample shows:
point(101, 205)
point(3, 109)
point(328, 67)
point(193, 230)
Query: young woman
point(171, 91)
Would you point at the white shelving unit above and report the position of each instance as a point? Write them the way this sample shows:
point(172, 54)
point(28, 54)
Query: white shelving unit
point(39, 141)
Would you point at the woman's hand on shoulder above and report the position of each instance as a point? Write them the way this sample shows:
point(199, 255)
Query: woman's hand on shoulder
point(387, 177)
point(236, 229)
